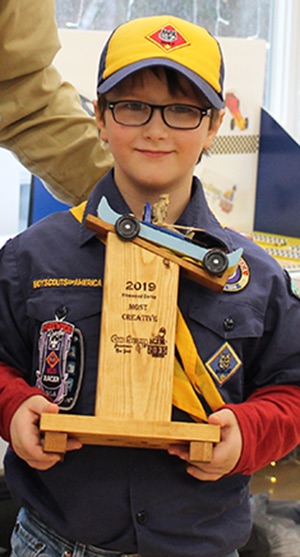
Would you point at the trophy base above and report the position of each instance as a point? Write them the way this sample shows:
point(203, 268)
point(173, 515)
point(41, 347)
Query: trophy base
point(92, 430)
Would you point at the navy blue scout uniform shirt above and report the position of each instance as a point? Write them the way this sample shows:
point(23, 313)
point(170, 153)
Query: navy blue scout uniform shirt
point(136, 500)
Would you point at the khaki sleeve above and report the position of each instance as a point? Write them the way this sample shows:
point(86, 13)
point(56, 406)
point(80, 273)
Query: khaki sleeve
point(41, 118)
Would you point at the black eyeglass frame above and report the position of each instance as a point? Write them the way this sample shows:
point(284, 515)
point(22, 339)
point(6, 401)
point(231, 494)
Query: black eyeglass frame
point(202, 113)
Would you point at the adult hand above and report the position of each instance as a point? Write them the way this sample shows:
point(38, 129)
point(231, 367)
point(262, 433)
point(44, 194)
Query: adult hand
point(25, 436)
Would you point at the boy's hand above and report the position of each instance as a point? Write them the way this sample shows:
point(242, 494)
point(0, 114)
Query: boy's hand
point(225, 454)
point(25, 436)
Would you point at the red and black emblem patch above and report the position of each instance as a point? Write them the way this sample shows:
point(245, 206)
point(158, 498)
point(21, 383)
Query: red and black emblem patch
point(60, 362)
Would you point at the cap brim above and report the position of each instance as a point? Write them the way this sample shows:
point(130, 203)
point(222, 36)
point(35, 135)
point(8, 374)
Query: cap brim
point(113, 80)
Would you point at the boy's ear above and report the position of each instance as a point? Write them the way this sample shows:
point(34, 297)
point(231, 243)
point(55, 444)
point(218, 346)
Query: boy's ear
point(100, 122)
point(214, 128)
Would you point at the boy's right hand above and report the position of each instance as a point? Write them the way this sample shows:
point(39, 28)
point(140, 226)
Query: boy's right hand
point(25, 436)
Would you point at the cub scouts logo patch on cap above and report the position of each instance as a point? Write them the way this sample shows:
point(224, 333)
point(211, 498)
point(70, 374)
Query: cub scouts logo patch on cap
point(224, 363)
point(240, 278)
point(168, 38)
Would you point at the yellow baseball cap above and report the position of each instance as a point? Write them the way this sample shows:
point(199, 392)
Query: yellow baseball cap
point(164, 41)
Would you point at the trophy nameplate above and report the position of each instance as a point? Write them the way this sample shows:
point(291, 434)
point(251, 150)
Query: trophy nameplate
point(137, 334)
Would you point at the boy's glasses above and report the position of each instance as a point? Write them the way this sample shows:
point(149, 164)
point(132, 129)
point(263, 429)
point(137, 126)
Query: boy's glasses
point(178, 116)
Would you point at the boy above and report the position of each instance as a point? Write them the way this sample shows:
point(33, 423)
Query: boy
point(159, 107)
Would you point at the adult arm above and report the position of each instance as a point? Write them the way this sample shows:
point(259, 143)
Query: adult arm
point(41, 118)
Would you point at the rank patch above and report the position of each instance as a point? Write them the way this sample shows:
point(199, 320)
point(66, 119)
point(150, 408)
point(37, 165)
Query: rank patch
point(240, 278)
point(224, 363)
point(168, 38)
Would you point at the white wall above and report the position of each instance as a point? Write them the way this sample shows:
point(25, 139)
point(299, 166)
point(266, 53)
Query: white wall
point(10, 173)
point(284, 85)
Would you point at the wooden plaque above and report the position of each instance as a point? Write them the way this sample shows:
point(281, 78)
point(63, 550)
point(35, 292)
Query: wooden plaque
point(133, 401)
point(135, 379)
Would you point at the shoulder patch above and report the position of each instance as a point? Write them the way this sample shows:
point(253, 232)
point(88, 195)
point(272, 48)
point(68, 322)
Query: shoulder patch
point(292, 286)
point(240, 278)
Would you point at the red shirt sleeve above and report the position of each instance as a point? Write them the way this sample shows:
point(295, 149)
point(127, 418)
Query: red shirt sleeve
point(270, 426)
point(13, 391)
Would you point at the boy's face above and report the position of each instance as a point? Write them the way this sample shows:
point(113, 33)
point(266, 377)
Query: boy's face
point(153, 158)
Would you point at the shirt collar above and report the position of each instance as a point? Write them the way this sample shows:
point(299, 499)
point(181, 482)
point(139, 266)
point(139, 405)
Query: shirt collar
point(106, 187)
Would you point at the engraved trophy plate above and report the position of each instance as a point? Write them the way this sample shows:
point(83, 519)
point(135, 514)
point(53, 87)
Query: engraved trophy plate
point(137, 333)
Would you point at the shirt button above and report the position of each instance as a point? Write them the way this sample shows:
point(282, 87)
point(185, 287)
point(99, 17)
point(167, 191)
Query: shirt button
point(68, 553)
point(141, 517)
point(38, 546)
point(228, 324)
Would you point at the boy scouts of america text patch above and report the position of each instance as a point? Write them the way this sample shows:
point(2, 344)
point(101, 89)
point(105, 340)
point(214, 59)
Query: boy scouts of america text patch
point(60, 362)
point(224, 363)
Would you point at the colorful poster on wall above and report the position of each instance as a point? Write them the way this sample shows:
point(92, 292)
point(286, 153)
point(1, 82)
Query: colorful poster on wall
point(229, 173)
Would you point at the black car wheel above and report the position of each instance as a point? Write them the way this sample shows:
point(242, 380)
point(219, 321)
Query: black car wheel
point(215, 261)
point(127, 227)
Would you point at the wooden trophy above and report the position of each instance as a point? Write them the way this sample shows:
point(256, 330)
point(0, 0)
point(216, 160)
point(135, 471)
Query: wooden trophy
point(133, 401)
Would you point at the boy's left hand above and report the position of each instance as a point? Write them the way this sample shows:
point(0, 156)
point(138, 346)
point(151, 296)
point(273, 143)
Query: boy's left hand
point(225, 454)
